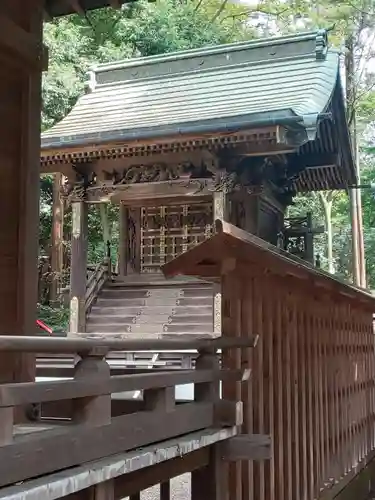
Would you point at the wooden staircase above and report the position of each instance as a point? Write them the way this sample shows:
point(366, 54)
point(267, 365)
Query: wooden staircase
point(149, 304)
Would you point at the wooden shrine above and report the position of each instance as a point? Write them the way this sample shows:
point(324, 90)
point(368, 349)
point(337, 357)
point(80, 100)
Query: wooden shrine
point(230, 132)
point(309, 404)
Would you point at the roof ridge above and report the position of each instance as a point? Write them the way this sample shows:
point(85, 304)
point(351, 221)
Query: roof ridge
point(184, 73)
point(209, 50)
point(313, 43)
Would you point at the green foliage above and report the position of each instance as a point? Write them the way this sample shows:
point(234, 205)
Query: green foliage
point(56, 318)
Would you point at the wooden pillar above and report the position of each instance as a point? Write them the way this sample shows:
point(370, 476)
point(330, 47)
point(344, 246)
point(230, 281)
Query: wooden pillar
point(221, 206)
point(94, 411)
point(220, 211)
point(57, 256)
point(78, 266)
point(209, 482)
point(20, 96)
point(123, 243)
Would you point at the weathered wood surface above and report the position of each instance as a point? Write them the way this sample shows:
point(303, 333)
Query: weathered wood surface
point(81, 345)
point(35, 455)
point(30, 392)
point(312, 375)
point(92, 432)
point(20, 89)
point(95, 284)
point(78, 266)
point(132, 471)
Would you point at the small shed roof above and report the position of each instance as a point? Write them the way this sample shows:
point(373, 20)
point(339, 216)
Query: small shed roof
point(286, 81)
point(231, 245)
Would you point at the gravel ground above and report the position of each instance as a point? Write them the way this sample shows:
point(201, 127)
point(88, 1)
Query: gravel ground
point(180, 489)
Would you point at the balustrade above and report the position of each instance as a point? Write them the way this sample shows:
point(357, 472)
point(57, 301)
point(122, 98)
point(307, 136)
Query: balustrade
point(92, 434)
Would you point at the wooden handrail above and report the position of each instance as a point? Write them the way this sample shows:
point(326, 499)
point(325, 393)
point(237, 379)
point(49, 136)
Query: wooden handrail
point(96, 282)
point(77, 344)
point(16, 394)
point(94, 432)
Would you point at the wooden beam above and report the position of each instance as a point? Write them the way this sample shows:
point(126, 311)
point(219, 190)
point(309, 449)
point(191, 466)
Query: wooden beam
point(211, 482)
point(128, 484)
point(246, 447)
point(36, 455)
point(228, 413)
point(24, 45)
point(31, 392)
point(78, 344)
point(116, 4)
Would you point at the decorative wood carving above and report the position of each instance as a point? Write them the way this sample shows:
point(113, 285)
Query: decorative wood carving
point(252, 173)
point(158, 172)
point(75, 189)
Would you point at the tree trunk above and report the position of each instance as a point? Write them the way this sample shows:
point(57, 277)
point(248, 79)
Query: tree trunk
point(358, 257)
point(326, 201)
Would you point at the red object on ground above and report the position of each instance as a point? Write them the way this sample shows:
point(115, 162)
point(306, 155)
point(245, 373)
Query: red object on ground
point(44, 327)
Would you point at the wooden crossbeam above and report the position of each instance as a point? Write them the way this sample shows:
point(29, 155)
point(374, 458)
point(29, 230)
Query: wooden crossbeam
point(35, 454)
point(31, 392)
point(246, 447)
point(16, 41)
point(116, 4)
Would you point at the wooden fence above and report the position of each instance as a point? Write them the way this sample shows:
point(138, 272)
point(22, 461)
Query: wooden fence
point(313, 376)
point(44, 446)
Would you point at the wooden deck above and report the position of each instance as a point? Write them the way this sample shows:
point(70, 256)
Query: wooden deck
point(90, 449)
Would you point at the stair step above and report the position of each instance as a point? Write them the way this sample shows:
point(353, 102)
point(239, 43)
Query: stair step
point(98, 319)
point(183, 327)
point(124, 293)
point(175, 320)
point(196, 309)
point(115, 311)
point(156, 292)
point(159, 283)
point(184, 301)
point(146, 328)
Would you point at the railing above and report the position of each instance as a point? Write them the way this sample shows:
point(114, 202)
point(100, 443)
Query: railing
point(92, 432)
point(312, 386)
point(96, 281)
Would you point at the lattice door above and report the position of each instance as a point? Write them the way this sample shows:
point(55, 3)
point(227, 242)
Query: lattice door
point(167, 231)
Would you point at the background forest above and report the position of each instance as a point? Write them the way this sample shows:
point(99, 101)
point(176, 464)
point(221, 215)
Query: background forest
point(141, 29)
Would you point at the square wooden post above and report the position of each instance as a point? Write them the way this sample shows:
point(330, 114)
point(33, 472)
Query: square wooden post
point(94, 411)
point(20, 95)
point(123, 243)
point(78, 266)
point(209, 482)
point(220, 212)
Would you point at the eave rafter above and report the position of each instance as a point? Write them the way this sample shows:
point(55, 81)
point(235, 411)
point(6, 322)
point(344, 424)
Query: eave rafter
point(262, 138)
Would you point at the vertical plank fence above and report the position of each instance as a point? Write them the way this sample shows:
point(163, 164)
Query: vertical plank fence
point(312, 384)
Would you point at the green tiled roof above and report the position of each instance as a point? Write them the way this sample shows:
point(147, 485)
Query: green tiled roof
point(274, 81)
